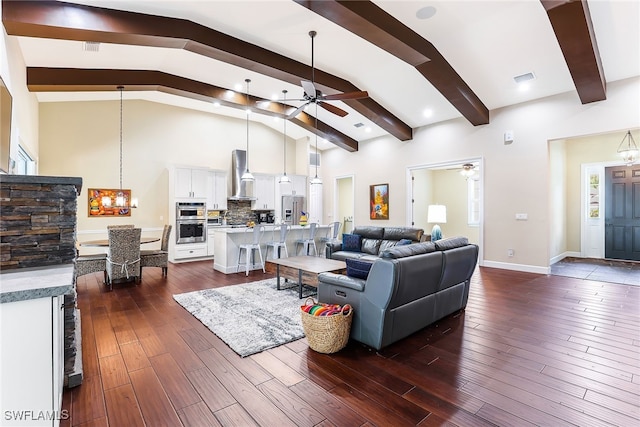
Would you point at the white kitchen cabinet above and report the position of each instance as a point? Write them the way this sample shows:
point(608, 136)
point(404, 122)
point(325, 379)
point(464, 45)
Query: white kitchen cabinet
point(190, 250)
point(265, 191)
point(32, 362)
point(190, 182)
point(210, 240)
point(217, 190)
point(298, 186)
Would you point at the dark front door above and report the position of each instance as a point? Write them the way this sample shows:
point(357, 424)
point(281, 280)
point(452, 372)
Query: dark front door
point(622, 213)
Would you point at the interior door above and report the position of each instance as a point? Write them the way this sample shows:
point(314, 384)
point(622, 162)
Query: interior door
point(622, 212)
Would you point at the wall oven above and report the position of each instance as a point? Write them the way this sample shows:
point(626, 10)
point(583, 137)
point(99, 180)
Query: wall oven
point(191, 222)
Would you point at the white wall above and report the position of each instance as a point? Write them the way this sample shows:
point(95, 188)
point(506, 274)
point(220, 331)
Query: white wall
point(82, 139)
point(516, 176)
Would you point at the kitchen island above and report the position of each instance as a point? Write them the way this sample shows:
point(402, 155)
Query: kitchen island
point(228, 239)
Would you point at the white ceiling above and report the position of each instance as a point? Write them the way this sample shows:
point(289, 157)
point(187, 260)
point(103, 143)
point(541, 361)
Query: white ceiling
point(486, 42)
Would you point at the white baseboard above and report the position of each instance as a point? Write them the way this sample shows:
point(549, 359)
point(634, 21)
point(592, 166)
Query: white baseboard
point(517, 267)
point(564, 255)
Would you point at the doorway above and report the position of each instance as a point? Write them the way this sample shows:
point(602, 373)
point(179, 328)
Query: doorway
point(622, 213)
point(344, 202)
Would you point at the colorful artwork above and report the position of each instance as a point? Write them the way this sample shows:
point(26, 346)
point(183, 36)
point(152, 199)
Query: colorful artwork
point(379, 201)
point(98, 208)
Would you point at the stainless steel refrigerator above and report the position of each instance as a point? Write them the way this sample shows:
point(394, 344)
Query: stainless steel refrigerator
point(292, 208)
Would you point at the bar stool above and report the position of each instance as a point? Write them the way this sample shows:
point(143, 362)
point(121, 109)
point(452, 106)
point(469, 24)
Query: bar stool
point(253, 238)
point(308, 242)
point(332, 234)
point(277, 245)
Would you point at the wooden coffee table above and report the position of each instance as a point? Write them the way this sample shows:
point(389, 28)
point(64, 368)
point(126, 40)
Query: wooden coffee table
point(305, 269)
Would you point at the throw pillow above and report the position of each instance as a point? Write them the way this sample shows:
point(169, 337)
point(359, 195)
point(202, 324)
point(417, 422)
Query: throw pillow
point(403, 242)
point(351, 242)
point(357, 268)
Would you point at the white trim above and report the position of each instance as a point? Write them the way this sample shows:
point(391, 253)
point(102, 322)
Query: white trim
point(564, 255)
point(444, 165)
point(336, 195)
point(518, 267)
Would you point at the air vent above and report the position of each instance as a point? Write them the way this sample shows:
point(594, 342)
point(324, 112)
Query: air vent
point(91, 46)
point(524, 78)
point(359, 125)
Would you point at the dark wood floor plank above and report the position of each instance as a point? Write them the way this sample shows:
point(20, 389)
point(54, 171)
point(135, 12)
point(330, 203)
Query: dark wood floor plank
point(113, 371)
point(235, 415)
point(254, 402)
point(327, 404)
point(174, 381)
point(122, 407)
point(298, 410)
point(154, 402)
point(214, 394)
point(529, 349)
point(88, 400)
point(277, 368)
point(198, 415)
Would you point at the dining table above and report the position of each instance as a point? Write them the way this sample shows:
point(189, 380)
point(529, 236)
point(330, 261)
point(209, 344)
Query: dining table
point(105, 242)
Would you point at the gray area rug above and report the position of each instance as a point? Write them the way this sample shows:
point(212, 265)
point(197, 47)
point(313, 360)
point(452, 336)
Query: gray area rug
point(249, 318)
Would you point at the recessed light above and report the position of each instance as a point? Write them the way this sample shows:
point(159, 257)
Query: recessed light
point(368, 130)
point(238, 87)
point(216, 104)
point(426, 12)
point(428, 112)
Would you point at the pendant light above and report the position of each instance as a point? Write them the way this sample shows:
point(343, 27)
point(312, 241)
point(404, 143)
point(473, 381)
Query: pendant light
point(316, 180)
point(628, 152)
point(121, 200)
point(284, 179)
point(247, 176)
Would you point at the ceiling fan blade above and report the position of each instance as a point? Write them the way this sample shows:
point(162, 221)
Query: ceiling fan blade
point(309, 88)
point(346, 95)
point(297, 111)
point(333, 109)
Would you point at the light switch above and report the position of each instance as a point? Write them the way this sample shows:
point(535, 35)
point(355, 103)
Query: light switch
point(508, 136)
point(522, 216)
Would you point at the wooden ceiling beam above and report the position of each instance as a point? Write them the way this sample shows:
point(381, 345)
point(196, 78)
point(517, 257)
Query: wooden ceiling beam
point(42, 79)
point(372, 23)
point(67, 21)
point(571, 22)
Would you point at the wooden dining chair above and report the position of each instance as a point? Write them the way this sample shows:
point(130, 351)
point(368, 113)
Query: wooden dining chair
point(157, 258)
point(123, 258)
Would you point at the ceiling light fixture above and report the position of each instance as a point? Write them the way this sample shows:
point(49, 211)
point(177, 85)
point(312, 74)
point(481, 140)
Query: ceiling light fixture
point(468, 170)
point(284, 179)
point(628, 152)
point(121, 201)
point(316, 180)
point(247, 176)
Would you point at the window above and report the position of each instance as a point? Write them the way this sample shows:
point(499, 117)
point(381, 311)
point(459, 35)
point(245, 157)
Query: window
point(24, 164)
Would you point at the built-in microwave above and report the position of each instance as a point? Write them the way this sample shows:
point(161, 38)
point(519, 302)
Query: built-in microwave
point(190, 210)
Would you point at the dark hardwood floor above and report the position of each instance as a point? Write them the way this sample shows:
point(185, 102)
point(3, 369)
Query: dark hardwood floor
point(528, 350)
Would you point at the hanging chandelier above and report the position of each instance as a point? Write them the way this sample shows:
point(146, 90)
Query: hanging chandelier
point(284, 179)
point(247, 176)
point(121, 200)
point(628, 151)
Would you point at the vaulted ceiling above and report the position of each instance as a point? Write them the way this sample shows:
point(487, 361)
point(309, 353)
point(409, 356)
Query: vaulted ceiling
point(420, 62)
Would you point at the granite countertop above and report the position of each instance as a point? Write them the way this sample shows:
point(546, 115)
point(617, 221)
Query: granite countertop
point(241, 229)
point(32, 283)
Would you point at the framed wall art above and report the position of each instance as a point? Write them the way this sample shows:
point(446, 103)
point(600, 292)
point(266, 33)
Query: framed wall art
point(379, 201)
point(102, 202)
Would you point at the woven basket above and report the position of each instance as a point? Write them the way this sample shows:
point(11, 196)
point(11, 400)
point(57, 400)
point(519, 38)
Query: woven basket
point(327, 334)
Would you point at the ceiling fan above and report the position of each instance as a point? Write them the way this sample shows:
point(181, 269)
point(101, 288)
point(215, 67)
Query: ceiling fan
point(313, 96)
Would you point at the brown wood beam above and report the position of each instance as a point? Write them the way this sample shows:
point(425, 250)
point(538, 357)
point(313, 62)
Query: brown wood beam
point(42, 79)
point(571, 22)
point(66, 21)
point(372, 23)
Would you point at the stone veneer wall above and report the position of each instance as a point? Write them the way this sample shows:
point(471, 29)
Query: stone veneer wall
point(38, 229)
point(239, 212)
point(37, 220)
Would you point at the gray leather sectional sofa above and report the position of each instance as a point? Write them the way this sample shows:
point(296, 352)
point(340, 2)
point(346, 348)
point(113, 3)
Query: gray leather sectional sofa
point(374, 241)
point(408, 288)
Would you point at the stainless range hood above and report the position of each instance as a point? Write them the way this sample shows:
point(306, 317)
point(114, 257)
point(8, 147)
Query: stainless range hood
point(241, 190)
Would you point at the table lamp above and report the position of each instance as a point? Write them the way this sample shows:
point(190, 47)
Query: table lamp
point(436, 214)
